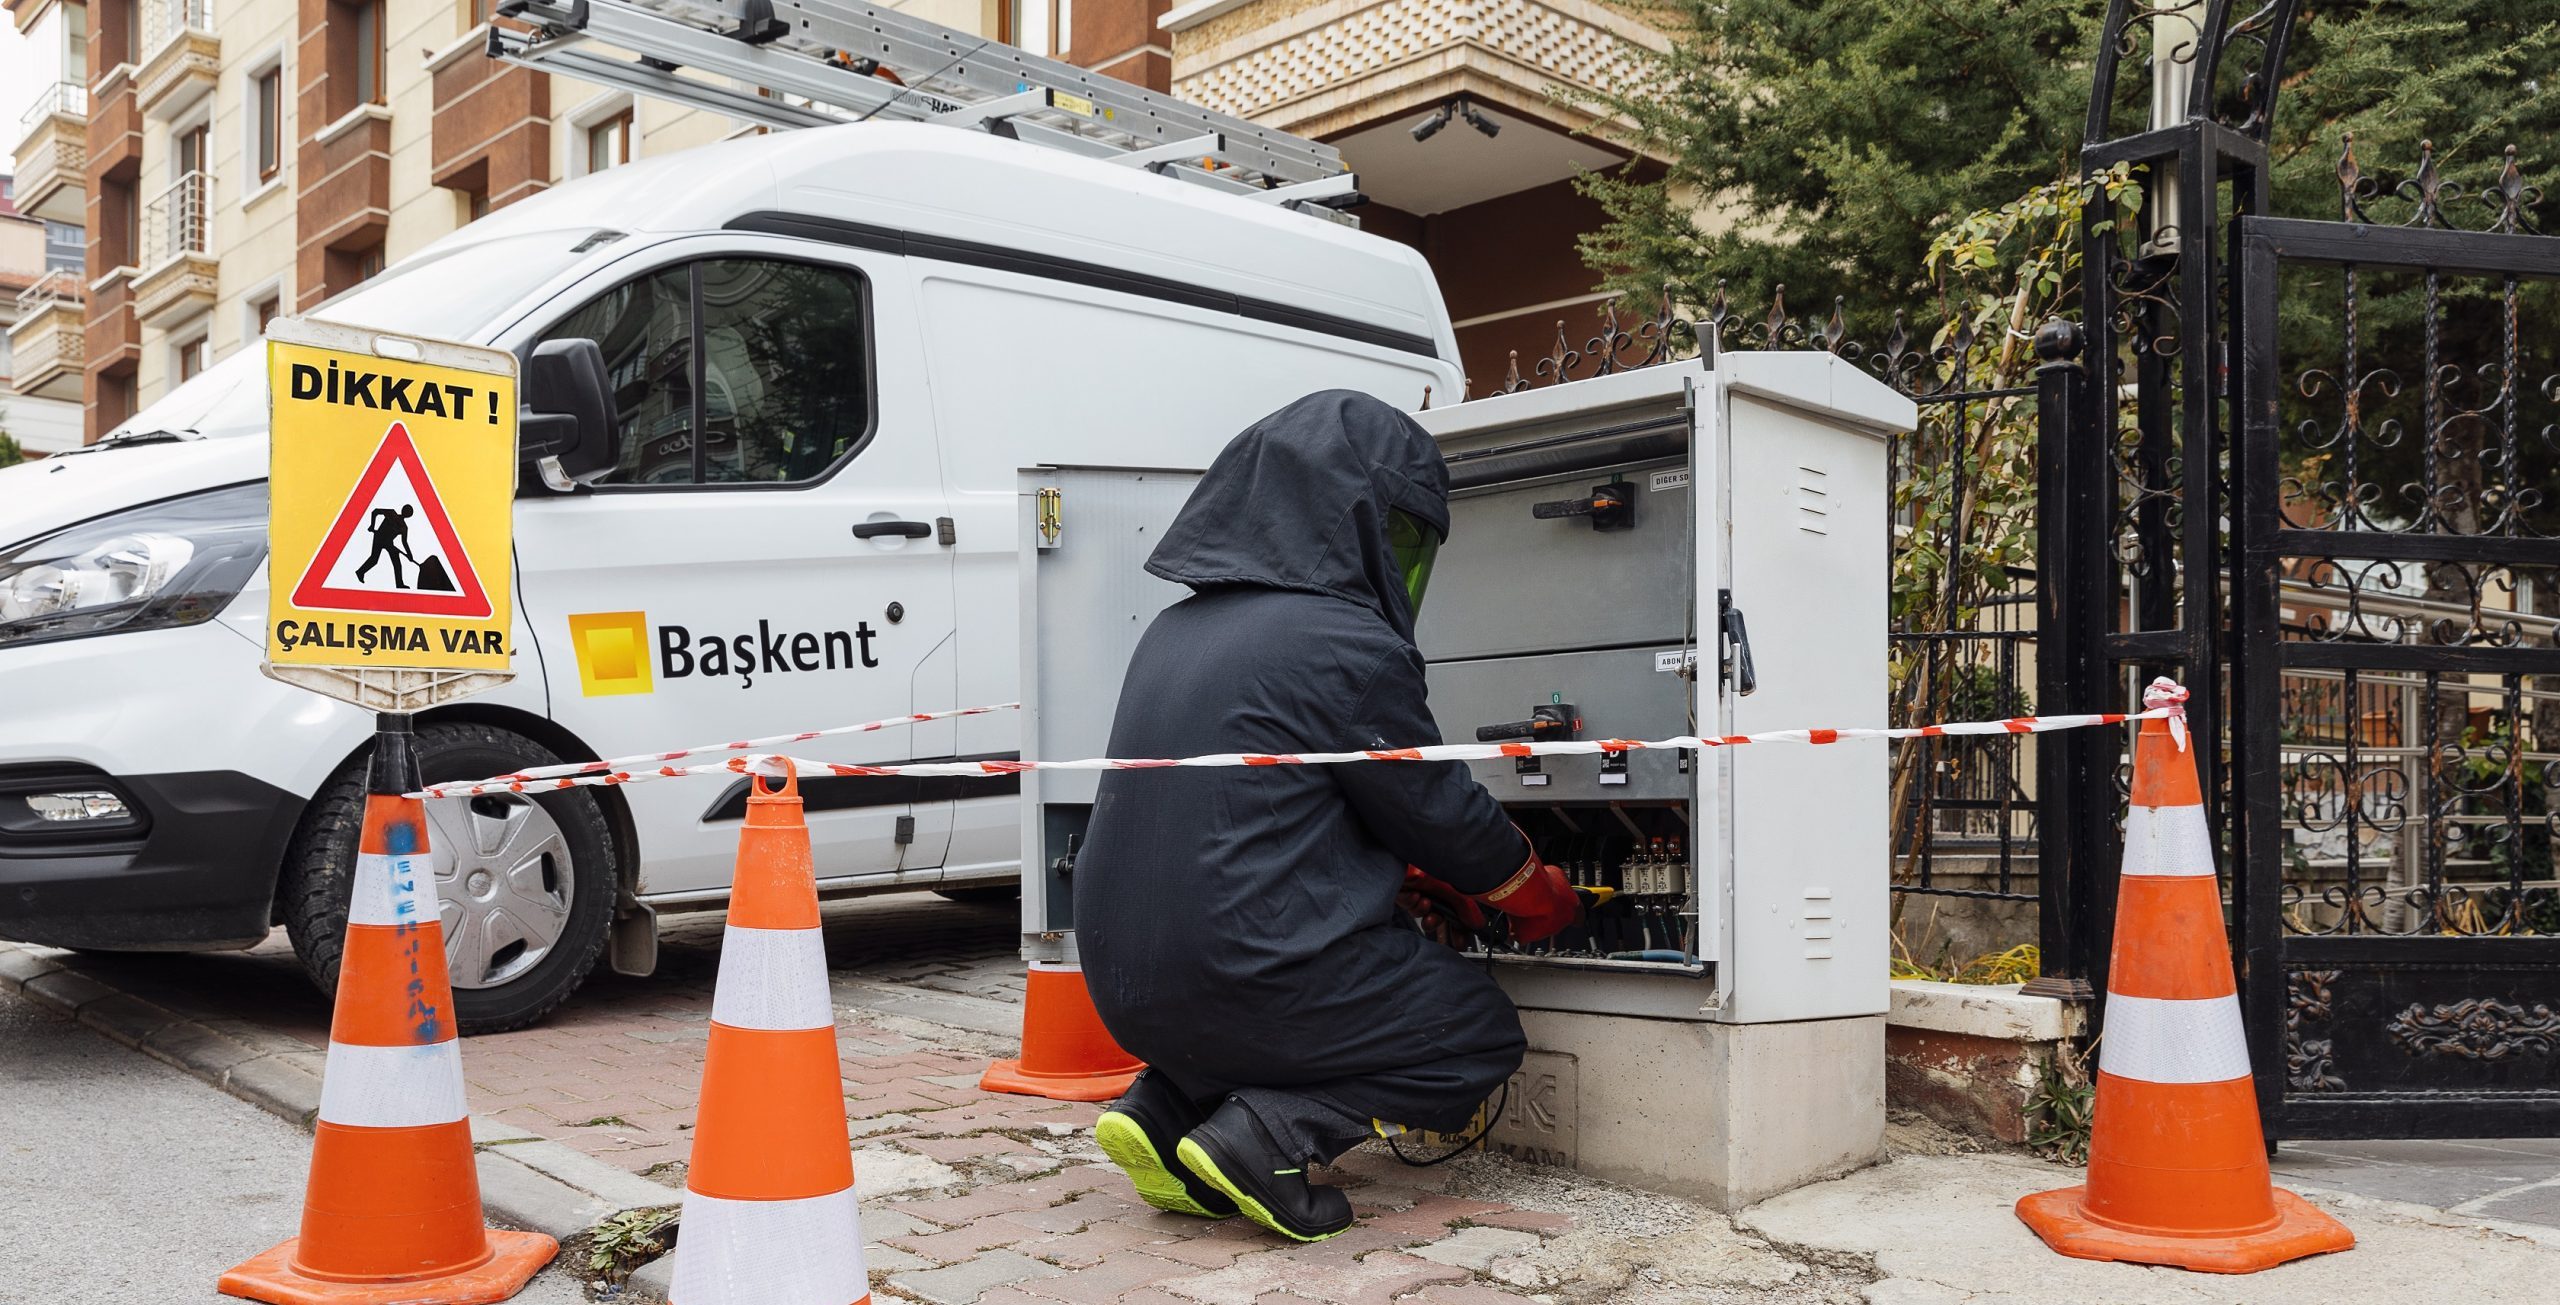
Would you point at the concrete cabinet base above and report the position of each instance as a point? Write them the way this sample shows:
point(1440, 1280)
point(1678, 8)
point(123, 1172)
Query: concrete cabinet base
point(1727, 1114)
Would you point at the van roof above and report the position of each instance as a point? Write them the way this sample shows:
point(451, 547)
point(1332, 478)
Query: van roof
point(985, 190)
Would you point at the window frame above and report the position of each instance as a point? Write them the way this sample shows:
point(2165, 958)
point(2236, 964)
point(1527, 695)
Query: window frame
point(266, 121)
point(199, 346)
point(691, 263)
point(372, 58)
point(621, 122)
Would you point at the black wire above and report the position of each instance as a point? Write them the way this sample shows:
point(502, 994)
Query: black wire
point(904, 88)
point(1500, 1104)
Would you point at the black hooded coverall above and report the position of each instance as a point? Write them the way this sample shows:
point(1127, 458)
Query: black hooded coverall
point(1238, 927)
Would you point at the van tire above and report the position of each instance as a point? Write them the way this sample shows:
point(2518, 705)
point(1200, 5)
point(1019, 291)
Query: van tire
point(312, 891)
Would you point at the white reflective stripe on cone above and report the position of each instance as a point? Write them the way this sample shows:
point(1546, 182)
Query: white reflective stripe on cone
point(393, 889)
point(393, 1087)
point(805, 1252)
point(772, 979)
point(2171, 841)
point(2162, 1041)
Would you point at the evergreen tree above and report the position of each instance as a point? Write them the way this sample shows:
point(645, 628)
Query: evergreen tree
point(1829, 139)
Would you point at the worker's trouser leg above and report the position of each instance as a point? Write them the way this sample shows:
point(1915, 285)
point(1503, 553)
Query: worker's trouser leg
point(1319, 1122)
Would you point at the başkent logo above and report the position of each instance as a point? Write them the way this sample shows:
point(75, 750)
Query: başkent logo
point(614, 652)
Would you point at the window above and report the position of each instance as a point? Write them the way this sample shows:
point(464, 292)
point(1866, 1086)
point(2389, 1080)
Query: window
point(1030, 23)
point(264, 311)
point(772, 371)
point(65, 245)
point(266, 94)
point(193, 356)
point(645, 328)
point(191, 154)
point(369, 264)
point(367, 52)
point(609, 142)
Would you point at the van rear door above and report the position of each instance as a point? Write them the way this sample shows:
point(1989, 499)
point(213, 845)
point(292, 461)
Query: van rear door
point(765, 556)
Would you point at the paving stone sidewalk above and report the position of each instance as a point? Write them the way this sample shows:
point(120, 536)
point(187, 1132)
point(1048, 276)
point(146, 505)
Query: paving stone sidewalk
point(972, 1198)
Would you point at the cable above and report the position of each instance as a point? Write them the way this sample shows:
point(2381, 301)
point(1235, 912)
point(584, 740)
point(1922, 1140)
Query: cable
point(1500, 1104)
point(904, 87)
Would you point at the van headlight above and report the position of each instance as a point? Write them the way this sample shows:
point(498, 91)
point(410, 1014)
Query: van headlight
point(175, 562)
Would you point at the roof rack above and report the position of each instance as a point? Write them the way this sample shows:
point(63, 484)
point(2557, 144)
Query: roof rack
point(814, 63)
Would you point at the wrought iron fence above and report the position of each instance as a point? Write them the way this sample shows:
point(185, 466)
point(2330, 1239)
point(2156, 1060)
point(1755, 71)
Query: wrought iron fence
point(178, 220)
point(1964, 808)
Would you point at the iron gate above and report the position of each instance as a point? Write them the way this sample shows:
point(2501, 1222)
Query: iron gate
point(2341, 528)
point(2398, 662)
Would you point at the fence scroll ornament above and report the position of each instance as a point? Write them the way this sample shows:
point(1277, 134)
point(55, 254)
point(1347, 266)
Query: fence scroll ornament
point(2307, 1060)
point(2478, 1028)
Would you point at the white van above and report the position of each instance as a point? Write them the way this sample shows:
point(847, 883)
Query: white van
point(828, 352)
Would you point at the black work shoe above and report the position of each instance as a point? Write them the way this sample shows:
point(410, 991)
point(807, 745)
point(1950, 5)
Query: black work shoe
point(1233, 1152)
point(1139, 1131)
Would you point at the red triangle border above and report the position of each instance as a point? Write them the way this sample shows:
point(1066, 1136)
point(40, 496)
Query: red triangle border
point(468, 600)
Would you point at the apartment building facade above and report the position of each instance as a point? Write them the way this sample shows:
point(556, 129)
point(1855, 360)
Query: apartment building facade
point(231, 160)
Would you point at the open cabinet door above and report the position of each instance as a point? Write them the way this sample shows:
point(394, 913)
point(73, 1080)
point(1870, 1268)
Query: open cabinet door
point(1802, 488)
point(1085, 534)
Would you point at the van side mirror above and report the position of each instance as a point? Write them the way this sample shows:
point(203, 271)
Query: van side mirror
point(564, 425)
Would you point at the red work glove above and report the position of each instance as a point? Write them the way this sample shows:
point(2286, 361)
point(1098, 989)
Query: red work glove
point(1446, 915)
point(1538, 900)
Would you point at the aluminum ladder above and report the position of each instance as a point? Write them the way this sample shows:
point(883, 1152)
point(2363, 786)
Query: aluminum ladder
point(813, 63)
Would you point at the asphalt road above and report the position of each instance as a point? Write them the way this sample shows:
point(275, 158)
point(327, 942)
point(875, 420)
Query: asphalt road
point(125, 1182)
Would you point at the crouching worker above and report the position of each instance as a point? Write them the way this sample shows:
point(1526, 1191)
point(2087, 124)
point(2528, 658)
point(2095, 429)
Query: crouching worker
point(1238, 926)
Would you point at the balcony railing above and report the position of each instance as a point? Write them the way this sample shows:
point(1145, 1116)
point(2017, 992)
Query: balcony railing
point(69, 98)
point(163, 19)
point(178, 220)
point(62, 285)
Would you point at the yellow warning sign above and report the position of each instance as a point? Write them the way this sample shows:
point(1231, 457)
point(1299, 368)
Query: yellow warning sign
point(391, 501)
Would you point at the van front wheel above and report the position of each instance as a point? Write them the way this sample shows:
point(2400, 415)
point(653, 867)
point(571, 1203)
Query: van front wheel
point(525, 886)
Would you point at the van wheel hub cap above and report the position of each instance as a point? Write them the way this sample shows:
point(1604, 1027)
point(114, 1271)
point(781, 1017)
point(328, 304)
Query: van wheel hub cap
point(503, 886)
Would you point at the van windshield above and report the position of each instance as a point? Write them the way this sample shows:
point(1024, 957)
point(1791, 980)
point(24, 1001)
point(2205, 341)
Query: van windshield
point(455, 294)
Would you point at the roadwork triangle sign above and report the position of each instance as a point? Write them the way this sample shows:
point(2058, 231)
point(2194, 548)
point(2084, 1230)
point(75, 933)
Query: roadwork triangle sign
point(392, 548)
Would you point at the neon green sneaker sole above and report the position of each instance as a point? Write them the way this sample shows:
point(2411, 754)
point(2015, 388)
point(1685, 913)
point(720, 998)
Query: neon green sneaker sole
point(1195, 1157)
point(1158, 1185)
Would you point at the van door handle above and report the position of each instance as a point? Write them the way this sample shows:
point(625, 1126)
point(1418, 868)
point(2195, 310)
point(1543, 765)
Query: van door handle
point(906, 529)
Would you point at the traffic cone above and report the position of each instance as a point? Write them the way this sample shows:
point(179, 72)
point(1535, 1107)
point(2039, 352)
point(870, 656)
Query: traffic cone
point(769, 1214)
point(2177, 1166)
point(392, 1212)
point(1066, 1053)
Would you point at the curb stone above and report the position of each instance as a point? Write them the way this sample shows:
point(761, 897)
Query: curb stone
point(526, 1180)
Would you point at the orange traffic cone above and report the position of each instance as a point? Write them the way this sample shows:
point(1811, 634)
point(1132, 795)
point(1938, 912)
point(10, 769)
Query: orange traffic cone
point(2177, 1168)
point(1066, 1053)
point(769, 1215)
point(392, 1213)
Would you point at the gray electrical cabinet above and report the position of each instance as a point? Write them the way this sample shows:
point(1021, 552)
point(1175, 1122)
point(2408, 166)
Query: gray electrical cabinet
point(1695, 548)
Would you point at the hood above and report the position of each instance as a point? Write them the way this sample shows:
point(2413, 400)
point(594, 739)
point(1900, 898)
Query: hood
point(38, 498)
point(1300, 500)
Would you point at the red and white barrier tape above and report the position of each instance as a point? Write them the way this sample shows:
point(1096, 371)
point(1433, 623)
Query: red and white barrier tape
point(2167, 697)
point(627, 764)
point(773, 765)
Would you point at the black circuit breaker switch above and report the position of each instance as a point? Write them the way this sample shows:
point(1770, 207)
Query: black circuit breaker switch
point(1548, 722)
point(1613, 768)
point(1611, 507)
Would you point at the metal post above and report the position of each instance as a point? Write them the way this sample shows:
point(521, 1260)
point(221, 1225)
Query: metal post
point(2071, 602)
point(394, 770)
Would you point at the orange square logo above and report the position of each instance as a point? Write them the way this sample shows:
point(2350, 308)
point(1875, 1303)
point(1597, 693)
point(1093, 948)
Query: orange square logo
point(613, 652)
